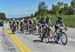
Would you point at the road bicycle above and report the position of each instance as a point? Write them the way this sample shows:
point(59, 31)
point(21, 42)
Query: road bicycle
point(61, 35)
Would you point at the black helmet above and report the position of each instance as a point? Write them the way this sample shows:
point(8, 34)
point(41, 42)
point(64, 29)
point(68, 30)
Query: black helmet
point(59, 18)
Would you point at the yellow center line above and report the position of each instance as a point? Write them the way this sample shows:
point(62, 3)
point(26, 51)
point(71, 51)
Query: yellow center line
point(20, 44)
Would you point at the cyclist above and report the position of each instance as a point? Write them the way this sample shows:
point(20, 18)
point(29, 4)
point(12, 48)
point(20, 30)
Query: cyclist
point(17, 24)
point(59, 23)
point(42, 22)
point(48, 21)
point(25, 24)
point(10, 23)
point(46, 28)
point(21, 25)
point(30, 23)
point(36, 24)
point(13, 26)
point(34, 21)
point(25, 21)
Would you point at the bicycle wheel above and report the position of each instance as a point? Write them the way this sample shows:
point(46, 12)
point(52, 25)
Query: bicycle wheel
point(49, 35)
point(64, 39)
point(56, 38)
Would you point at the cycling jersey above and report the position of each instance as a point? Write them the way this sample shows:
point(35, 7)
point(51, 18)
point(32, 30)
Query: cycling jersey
point(47, 20)
point(17, 22)
point(25, 21)
point(30, 21)
point(59, 22)
point(42, 23)
point(21, 23)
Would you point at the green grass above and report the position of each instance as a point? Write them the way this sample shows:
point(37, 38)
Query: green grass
point(69, 20)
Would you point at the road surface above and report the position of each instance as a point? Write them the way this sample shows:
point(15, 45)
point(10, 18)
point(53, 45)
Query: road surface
point(34, 44)
point(2, 49)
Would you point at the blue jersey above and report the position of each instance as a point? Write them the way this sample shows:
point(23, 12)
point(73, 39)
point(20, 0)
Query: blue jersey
point(59, 22)
point(41, 22)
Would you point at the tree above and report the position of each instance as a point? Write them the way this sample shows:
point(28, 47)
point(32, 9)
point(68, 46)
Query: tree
point(73, 5)
point(55, 9)
point(60, 8)
point(65, 8)
point(70, 10)
point(2, 16)
point(42, 9)
point(60, 4)
point(32, 15)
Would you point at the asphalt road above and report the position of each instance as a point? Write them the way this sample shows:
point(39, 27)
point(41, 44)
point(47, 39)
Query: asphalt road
point(2, 49)
point(33, 42)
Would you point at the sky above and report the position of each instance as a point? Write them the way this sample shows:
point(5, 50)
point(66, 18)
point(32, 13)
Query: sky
point(21, 8)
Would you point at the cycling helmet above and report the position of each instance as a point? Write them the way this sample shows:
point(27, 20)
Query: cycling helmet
point(13, 19)
point(59, 18)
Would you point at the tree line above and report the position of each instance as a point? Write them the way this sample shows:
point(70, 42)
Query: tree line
point(2, 16)
point(59, 9)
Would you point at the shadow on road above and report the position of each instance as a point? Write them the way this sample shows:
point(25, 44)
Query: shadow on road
point(51, 42)
point(36, 40)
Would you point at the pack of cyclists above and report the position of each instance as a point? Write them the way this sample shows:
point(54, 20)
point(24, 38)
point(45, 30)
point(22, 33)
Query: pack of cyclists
point(40, 25)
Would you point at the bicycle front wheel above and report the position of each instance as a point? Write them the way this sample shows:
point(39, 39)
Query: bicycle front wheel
point(64, 39)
